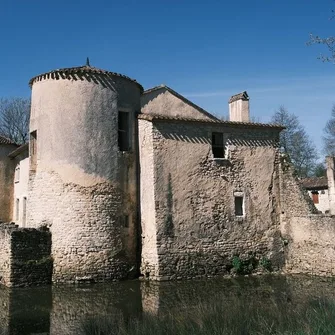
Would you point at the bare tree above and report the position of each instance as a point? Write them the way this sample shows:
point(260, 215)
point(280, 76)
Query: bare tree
point(329, 42)
point(14, 119)
point(329, 138)
point(295, 142)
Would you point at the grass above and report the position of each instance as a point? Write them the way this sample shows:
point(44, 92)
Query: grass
point(222, 317)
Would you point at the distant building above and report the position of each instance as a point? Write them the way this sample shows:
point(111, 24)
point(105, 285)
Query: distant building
point(317, 188)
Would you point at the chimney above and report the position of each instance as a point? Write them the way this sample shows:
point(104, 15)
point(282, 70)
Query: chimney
point(239, 107)
point(331, 183)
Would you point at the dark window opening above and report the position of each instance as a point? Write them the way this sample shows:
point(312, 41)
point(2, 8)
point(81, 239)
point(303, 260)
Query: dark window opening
point(124, 142)
point(33, 149)
point(218, 146)
point(239, 206)
point(125, 221)
point(315, 197)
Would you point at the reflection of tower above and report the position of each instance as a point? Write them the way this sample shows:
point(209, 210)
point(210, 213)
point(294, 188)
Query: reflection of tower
point(16, 315)
point(83, 170)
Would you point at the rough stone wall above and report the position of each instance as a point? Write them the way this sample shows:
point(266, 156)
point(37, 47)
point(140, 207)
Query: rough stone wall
point(83, 187)
point(197, 231)
point(310, 244)
point(25, 256)
point(163, 102)
point(7, 168)
point(295, 201)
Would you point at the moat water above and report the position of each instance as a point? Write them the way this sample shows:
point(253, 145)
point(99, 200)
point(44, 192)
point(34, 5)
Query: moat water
point(64, 310)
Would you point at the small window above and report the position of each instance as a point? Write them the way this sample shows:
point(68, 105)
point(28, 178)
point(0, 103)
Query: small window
point(33, 149)
point(218, 145)
point(239, 206)
point(17, 209)
point(124, 221)
point(124, 140)
point(17, 174)
point(315, 197)
point(24, 211)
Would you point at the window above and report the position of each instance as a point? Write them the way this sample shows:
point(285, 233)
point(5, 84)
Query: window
point(218, 145)
point(124, 221)
point(24, 211)
point(315, 197)
point(123, 126)
point(17, 209)
point(17, 174)
point(33, 149)
point(239, 206)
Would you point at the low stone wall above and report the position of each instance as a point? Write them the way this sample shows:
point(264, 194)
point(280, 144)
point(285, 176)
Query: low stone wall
point(25, 256)
point(310, 244)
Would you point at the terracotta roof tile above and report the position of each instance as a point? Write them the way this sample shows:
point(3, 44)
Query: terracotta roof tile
point(314, 182)
point(66, 72)
point(5, 140)
point(155, 117)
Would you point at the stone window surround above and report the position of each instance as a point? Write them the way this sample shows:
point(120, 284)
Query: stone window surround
point(225, 138)
point(239, 194)
point(17, 173)
point(130, 125)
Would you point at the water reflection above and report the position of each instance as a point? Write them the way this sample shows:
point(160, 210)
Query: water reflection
point(65, 309)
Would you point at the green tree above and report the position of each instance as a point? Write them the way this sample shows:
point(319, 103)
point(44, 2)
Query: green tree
point(14, 119)
point(295, 142)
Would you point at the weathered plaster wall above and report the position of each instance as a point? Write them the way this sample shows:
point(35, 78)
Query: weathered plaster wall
point(310, 244)
point(197, 231)
point(323, 204)
point(83, 185)
point(163, 102)
point(21, 190)
point(147, 201)
point(7, 167)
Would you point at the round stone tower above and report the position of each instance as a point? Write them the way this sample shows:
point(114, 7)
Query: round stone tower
point(83, 171)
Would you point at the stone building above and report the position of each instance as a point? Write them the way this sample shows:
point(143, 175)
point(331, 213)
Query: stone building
point(132, 182)
point(322, 189)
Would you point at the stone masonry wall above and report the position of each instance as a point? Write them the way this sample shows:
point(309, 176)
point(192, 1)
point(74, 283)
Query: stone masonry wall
point(25, 256)
point(87, 242)
point(310, 244)
point(197, 230)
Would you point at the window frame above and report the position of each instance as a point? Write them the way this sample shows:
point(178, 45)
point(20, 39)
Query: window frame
point(223, 146)
point(120, 131)
point(239, 195)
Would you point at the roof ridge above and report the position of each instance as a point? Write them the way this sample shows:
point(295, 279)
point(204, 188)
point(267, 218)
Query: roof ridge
point(158, 117)
point(178, 95)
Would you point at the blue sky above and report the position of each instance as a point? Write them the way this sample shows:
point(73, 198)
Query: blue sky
point(206, 50)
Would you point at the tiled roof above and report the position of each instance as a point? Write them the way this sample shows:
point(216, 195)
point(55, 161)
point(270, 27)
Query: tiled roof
point(5, 140)
point(240, 96)
point(155, 117)
point(314, 182)
point(19, 150)
point(67, 72)
point(159, 87)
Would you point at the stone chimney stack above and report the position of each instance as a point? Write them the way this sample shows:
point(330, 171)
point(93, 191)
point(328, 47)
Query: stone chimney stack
point(331, 183)
point(239, 107)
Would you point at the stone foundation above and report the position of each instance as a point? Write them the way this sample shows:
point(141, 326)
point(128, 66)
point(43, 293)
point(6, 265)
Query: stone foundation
point(25, 256)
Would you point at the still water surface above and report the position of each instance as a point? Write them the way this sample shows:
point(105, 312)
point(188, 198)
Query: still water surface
point(64, 309)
